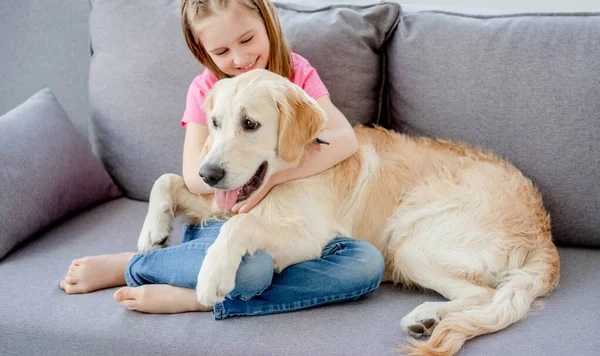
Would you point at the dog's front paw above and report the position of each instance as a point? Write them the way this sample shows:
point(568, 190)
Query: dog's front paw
point(156, 229)
point(217, 277)
point(159, 220)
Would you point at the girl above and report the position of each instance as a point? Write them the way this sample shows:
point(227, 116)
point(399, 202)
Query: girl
point(230, 38)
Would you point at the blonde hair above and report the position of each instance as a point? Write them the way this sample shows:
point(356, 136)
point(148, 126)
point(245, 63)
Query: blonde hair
point(280, 58)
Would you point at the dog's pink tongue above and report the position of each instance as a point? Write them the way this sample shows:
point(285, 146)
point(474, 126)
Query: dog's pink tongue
point(226, 198)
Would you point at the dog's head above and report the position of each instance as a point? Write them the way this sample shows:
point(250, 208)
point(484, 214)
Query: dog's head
point(259, 123)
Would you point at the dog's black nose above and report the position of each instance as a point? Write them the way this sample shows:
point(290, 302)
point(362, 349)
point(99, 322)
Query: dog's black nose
point(211, 174)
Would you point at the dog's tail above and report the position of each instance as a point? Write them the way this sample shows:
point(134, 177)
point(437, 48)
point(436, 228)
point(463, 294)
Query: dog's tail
point(513, 298)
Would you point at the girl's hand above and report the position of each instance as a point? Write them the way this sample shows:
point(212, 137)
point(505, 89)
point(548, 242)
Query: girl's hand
point(247, 205)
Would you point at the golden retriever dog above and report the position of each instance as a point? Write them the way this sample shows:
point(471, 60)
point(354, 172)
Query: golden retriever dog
point(447, 217)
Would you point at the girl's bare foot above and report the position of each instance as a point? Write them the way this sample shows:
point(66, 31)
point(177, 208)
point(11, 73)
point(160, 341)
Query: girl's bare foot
point(159, 299)
point(92, 273)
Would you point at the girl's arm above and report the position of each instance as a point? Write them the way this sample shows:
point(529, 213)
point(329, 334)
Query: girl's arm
point(195, 137)
point(342, 144)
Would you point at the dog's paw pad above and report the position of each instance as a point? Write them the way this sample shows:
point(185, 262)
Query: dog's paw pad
point(424, 327)
point(428, 323)
point(417, 329)
point(422, 320)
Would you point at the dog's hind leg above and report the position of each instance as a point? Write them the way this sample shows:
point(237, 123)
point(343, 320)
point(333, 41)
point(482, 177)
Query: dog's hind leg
point(462, 294)
point(415, 263)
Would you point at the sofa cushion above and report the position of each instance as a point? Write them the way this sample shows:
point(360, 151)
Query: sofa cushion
point(46, 170)
point(344, 43)
point(40, 50)
point(141, 69)
point(36, 317)
point(525, 86)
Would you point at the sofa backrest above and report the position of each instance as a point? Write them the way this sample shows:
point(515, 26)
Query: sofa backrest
point(526, 86)
point(522, 85)
point(141, 69)
point(45, 44)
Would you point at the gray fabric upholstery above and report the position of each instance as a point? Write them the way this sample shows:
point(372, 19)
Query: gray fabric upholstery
point(344, 44)
point(141, 69)
point(524, 86)
point(480, 79)
point(46, 170)
point(44, 43)
point(36, 317)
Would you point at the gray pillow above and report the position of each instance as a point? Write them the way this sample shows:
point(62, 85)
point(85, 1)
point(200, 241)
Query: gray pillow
point(344, 43)
point(141, 69)
point(47, 170)
point(524, 85)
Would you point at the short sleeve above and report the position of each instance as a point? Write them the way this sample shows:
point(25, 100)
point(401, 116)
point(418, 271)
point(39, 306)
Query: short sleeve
point(193, 107)
point(313, 86)
point(307, 78)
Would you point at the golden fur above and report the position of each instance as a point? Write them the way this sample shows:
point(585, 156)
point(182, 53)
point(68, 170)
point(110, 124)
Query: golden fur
point(446, 216)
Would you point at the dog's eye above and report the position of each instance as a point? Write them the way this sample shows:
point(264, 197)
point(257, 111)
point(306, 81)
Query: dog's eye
point(250, 125)
point(214, 121)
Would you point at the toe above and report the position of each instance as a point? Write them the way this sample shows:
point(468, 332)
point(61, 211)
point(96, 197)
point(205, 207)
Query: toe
point(125, 293)
point(130, 304)
point(70, 279)
point(71, 288)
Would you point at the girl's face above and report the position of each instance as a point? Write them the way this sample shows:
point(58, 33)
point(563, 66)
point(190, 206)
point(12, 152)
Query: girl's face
point(236, 39)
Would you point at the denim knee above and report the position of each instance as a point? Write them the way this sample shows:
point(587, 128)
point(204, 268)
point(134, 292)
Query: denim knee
point(367, 266)
point(373, 263)
point(253, 276)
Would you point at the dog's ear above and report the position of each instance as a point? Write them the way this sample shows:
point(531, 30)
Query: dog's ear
point(300, 121)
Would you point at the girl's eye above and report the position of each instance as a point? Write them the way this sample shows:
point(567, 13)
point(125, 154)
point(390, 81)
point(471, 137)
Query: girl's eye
point(248, 40)
point(214, 122)
point(221, 53)
point(250, 125)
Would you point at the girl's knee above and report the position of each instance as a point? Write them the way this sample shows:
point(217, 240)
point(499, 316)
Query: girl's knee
point(369, 264)
point(254, 275)
point(373, 263)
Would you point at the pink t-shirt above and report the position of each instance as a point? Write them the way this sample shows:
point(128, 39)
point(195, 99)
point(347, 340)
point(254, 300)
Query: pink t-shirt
point(305, 76)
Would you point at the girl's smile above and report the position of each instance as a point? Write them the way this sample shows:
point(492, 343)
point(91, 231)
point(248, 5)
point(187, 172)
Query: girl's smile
point(250, 66)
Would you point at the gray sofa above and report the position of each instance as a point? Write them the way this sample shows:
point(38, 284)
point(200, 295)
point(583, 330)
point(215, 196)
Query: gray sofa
point(524, 85)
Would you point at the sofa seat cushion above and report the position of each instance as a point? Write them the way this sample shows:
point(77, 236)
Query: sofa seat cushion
point(36, 317)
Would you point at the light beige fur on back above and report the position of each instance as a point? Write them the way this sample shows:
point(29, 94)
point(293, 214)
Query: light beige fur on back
point(446, 216)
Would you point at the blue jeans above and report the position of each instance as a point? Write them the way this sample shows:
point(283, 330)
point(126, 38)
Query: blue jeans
point(347, 270)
